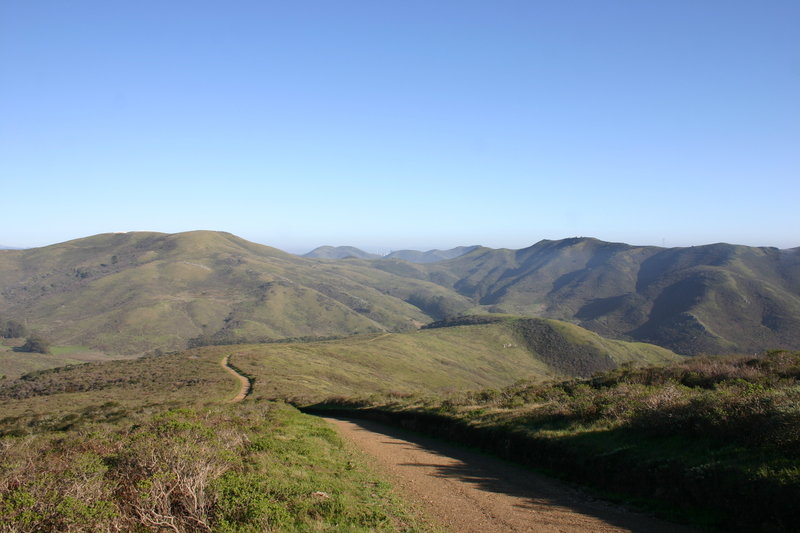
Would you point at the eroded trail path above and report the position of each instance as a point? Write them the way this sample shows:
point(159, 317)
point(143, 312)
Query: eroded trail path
point(470, 492)
point(244, 389)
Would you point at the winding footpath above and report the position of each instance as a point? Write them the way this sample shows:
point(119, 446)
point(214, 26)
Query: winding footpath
point(244, 390)
point(467, 491)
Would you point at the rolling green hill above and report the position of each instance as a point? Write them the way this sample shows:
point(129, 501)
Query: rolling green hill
point(134, 292)
point(495, 353)
point(719, 298)
point(454, 357)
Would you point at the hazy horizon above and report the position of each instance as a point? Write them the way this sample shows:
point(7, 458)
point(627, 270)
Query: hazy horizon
point(385, 250)
point(402, 126)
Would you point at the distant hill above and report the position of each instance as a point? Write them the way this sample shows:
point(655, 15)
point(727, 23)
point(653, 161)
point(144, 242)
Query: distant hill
point(339, 252)
point(444, 359)
point(133, 292)
point(431, 256)
point(717, 298)
point(412, 256)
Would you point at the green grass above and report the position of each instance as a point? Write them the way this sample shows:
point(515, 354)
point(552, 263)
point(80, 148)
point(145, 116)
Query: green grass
point(138, 292)
point(259, 466)
point(14, 364)
point(68, 350)
point(124, 444)
point(429, 361)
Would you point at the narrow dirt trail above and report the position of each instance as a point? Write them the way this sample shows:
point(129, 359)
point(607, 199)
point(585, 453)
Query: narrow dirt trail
point(244, 390)
point(468, 491)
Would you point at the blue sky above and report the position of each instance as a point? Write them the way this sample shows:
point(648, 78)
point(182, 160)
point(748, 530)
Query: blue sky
point(414, 124)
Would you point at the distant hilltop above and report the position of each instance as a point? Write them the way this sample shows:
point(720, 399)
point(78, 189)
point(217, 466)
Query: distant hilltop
point(340, 252)
point(140, 291)
point(412, 256)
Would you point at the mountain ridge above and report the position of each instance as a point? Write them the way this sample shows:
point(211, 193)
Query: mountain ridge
point(139, 291)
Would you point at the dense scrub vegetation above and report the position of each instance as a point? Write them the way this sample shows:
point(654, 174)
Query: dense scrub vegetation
point(716, 437)
point(35, 344)
point(569, 358)
point(464, 320)
point(149, 373)
point(256, 466)
point(227, 338)
point(11, 329)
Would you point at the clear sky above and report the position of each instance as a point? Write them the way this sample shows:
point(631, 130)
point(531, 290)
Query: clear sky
point(402, 124)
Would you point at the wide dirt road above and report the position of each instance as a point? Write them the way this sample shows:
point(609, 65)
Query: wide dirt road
point(471, 492)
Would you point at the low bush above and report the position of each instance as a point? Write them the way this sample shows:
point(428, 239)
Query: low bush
point(254, 466)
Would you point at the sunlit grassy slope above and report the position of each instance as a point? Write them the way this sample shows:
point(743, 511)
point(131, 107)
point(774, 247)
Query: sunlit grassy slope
point(14, 364)
point(102, 446)
point(138, 292)
point(135, 292)
point(425, 362)
point(429, 361)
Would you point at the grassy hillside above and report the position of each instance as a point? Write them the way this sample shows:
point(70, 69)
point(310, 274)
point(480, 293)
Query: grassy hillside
point(138, 292)
point(134, 292)
point(718, 298)
point(13, 364)
point(153, 444)
point(430, 361)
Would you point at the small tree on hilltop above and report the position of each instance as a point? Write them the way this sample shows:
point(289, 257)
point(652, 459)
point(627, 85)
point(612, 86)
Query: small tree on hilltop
point(35, 343)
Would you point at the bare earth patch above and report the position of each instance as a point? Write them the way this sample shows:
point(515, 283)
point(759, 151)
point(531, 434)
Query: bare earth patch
point(468, 491)
point(244, 388)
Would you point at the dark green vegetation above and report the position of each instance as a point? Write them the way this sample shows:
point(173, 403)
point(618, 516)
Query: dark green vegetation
point(148, 440)
point(718, 438)
point(138, 292)
point(56, 398)
point(35, 344)
point(439, 360)
point(11, 329)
